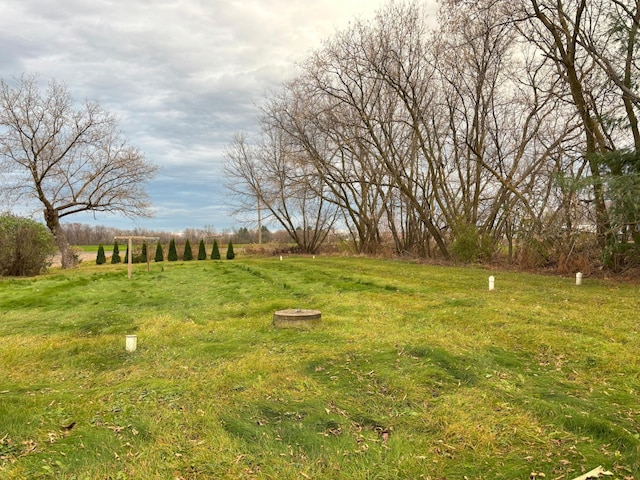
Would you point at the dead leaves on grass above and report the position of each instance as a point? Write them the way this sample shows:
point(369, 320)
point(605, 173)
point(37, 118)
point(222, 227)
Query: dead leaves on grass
point(118, 428)
point(597, 472)
point(10, 452)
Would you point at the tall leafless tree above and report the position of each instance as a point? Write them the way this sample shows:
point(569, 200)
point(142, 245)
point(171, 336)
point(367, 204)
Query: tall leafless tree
point(328, 133)
point(483, 123)
point(68, 159)
point(270, 176)
point(610, 35)
point(555, 28)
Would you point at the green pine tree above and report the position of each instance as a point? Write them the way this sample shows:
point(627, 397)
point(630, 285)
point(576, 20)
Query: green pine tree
point(202, 250)
point(101, 259)
point(215, 253)
point(115, 257)
point(126, 255)
point(159, 252)
point(173, 253)
point(143, 255)
point(188, 253)
point(230, 254)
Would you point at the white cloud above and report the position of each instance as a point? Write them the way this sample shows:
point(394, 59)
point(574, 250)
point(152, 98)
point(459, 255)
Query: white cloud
point(182, 76)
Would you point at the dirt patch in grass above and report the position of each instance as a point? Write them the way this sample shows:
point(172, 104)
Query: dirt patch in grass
point(83, 256)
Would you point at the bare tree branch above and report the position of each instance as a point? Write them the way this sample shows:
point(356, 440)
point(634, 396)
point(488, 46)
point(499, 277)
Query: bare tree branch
point(68, 159)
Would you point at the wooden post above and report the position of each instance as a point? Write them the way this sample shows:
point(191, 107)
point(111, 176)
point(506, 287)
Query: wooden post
point(130, 256)
point(148, 257)
point(259, 223)
point(130, 259)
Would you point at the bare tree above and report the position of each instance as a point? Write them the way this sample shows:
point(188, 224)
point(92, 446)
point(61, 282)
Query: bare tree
point(328, 138)
point(269, 175)
point(555, 28)
point(427, 134)
point(506, 125)
point(610, 35)
point(353, 123)
point(68, 159)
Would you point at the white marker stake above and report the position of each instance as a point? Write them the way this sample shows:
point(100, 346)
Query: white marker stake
point(132, 343)
point(578, 278)
point(492, 282)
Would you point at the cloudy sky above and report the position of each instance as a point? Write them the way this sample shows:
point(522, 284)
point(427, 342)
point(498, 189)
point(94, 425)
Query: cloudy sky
point(182, 76)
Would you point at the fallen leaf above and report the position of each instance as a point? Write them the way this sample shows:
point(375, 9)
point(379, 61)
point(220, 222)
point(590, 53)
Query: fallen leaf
point(597, 472)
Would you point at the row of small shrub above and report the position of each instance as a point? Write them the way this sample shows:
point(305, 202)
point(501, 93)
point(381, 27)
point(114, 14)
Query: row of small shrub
point(159, 255)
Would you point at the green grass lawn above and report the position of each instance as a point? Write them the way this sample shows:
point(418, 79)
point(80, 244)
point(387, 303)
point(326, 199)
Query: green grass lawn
point(415, 372)
point(94, 248)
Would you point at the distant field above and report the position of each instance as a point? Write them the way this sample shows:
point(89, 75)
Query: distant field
point(94, 248)
point(415, 372)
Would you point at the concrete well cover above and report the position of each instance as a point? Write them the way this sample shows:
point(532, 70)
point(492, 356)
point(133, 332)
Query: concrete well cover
point(296, 318)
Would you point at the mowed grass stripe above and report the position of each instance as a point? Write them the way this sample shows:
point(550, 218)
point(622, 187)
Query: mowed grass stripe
point(415, 372)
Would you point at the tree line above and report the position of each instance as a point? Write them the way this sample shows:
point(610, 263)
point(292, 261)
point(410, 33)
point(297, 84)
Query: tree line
point(510, 127)
point(84, 234)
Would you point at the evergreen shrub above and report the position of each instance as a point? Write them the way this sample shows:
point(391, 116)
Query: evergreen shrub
point(115, 256)
point(202, 251)
point(159, 253)
point(230, 253)
point(173, 253)
point(215, 253)
point(101, 259)
point(188, 253)
point(142, 258)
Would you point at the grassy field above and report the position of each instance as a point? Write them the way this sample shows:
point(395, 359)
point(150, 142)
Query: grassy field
point(415, 372)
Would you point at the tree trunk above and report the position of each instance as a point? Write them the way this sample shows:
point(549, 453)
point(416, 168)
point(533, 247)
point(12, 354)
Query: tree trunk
point(67, 258)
